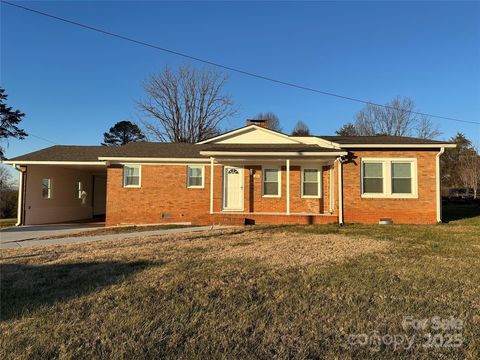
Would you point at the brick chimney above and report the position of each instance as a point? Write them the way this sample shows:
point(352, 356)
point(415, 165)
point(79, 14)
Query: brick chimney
point(261, 123)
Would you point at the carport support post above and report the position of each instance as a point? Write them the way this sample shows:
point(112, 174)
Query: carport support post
point(21, 194)
point(287, 165)
point(211, 184)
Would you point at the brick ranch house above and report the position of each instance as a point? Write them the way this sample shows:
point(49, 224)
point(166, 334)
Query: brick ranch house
point(248, 175)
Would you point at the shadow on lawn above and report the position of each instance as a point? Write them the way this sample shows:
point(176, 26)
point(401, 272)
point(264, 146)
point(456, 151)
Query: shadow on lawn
point(452, 212)
point(24, 288)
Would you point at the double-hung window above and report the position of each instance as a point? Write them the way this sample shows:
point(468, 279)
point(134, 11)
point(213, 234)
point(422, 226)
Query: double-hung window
point(271, 182)
point(389, 178)
point(47, 188)
point(373, 178)
point(195, 176)
point(401, 177)
point(311, 183)
point(132, 176)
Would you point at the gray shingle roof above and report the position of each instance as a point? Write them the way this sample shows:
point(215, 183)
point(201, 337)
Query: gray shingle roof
point(183, 150)
point(378, 140)
point(92, 153)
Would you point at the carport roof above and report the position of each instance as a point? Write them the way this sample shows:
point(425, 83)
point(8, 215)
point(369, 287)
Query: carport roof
point(92, 153)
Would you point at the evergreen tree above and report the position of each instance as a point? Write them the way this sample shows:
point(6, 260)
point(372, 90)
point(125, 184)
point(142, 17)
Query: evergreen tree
point(9, 120)
point(123, 132)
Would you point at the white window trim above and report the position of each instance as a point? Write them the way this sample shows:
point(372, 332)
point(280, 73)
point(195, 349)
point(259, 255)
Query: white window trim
point(79, 190)
point(279, 169)
point(387, 178)
point(50, 189)
point(203, 177)
point(319, 174)
point(139, 176)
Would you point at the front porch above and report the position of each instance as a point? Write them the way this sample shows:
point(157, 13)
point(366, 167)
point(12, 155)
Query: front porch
point(269, 190)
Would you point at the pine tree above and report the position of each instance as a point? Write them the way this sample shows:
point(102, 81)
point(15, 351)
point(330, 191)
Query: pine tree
point(9, 122)
point(123, 132)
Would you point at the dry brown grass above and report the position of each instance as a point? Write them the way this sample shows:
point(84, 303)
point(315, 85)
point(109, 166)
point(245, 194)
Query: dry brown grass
point(274, 248)
point(290, 249)
point(260, 292)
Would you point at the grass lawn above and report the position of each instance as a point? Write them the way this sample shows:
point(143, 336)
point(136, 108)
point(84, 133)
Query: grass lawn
point(256, 292)
point(6, 223)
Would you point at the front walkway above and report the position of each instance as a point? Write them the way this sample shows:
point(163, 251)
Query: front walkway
point(32, 232)
point(32, 242)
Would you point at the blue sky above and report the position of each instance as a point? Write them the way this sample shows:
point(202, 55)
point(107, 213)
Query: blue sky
point(74, 84)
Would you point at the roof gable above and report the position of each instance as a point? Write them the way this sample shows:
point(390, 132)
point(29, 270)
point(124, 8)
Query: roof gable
point(252, 134)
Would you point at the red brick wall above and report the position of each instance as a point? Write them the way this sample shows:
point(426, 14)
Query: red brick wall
point(163, 192)
point(164, 197)
point(413, 211)
point(258, 203)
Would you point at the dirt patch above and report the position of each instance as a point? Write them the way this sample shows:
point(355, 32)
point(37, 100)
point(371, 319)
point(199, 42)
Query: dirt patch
point(297, 249)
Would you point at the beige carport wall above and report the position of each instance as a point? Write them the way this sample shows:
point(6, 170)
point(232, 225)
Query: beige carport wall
point(64, 204)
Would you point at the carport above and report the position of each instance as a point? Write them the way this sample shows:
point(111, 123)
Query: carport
point(62, 184)
point(59, 192)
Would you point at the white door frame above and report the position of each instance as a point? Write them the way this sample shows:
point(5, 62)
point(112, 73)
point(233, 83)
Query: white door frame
point(242, 187)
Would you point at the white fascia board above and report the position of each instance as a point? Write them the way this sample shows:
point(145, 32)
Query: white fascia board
point(398, 146)
point(147, 160)
point(230, 133)
point(276, 153)
point(31, 162)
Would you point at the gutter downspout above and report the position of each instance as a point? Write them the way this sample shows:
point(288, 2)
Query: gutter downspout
point(21, 195)
point(438, 185)
point(340, 191)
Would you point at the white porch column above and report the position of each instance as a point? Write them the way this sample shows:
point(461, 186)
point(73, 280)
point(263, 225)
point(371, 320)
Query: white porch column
point(212, 160)
point(332, 189)
point(340, 192)
point(288, 186)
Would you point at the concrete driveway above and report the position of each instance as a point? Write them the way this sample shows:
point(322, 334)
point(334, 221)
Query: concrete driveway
point(33, 232)
point(30, 237)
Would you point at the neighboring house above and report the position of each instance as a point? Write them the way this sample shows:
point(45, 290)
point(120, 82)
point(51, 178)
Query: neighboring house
point(248, 175)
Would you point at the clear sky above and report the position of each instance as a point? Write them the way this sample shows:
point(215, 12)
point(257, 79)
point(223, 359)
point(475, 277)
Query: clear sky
point(74, 84)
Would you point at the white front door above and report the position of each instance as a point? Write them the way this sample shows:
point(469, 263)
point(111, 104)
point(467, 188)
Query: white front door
point(233, 188)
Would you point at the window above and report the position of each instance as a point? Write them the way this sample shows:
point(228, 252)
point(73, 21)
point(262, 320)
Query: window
point(79, 190)
point(47, 188)
point(131, 175)
point(195, 178)
point(311, 179)
point(271, 182)
point(389, 178)
point(372, 178)
point(401, 177)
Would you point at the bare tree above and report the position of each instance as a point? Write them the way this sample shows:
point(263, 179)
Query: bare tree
point(425, 128)
point(8, 194)
point(301, 129)
point(184, 106)
point(396, 118)
point(469, 170)
point(273, 120)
